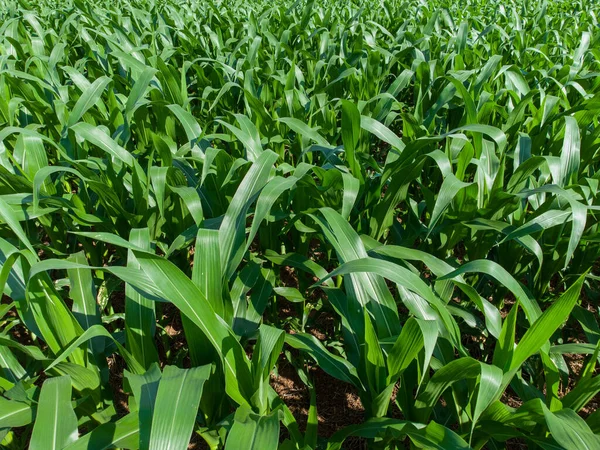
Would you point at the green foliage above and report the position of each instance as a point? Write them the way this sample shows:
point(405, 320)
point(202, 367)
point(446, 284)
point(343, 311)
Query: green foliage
point(188, 188)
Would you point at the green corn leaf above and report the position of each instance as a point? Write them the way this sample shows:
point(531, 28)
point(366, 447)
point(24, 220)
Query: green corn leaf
point(304, 130)
point(490, 385)
point(432, 436)
point(140, 320)
point(206, 275)
point(83, 293)
point(461, 369)
point(8, 217)
point(404, 278)
point(251, 431)
point(312, 423)
point(123, 433)
point(374, 363)
point(351, 136)
point(35, 157)
point(138, 90)
point(248, 135)
point(381, 131)
point(57, 325)
point(88, 99)
point(542, 329)
point(176, 406)
point(367, 289)
point(505, 347)
point(570, 156)
point(531, 308)
point(403, 193)
point(449, 190)
point(11, 368)
point(56, 423)
point(570, 430)
point(15, 414)
point(180, 290)
point(90, 333)
point(405, 349)
point(232, 230)
point(334, 365)
point(268, 347)
point(100, 139)
point(145, 388)
point(585, 390)
point(189, 123)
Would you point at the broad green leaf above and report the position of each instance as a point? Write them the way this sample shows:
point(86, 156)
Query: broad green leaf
point(88, 98)
point(232, 230)
point(405, 349)
point(381, 131)
point(189, 123)
point(251, 431)
point(181, 291)
point(83, 293)
point(332, 364)
point(304, 130)
point(140, 320)
point(248, 135)
point(10, 366)
point(138, 90)
point(365, 289)
point(56, 423)
point(145, 388)
point(90, 333)
point(57, 325)
point(490, 268)
point(448, 191)
point(176, 407)
point(544, 327)
point(8, 217)
point(409, 280)
point(15, 414)
point(100, 139)
point(570, 156)
point(123, 433)
point(351, 136)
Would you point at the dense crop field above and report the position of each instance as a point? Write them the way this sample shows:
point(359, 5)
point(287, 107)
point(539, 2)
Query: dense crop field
point(311, 225)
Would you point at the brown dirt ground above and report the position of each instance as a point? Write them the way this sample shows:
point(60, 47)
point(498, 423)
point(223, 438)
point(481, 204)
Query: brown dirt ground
point(338, 404)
